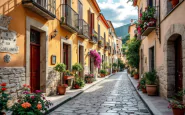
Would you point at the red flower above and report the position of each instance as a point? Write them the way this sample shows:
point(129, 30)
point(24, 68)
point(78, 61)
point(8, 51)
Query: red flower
point(28, 86)
point(24, 85)
point(3, 84)
point(3, 89)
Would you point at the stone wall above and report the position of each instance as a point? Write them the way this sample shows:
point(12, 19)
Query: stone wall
point(162, 81)
point(52, 81)
point(15, 78)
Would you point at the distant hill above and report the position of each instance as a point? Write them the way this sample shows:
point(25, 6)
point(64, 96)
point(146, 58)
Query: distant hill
point(122, 31)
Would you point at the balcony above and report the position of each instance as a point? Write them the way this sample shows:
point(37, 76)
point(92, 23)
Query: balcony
point(94, 37)
point(44, 8)
point(83, 29)
point(100, 42)
point(106, 47)
point(69, 19)
point(148, 31)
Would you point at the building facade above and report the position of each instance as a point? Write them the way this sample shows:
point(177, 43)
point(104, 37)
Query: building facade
point(38, 34)
point(162, 46)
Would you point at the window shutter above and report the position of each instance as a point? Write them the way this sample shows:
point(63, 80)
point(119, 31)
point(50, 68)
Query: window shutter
point(92, 18)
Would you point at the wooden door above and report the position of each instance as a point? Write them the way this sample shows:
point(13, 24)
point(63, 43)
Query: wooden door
point(35, 60)
point(178, 65)
point(65, 55)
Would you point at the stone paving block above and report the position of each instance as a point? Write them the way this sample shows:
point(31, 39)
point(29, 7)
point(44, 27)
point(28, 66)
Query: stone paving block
point(113, 96)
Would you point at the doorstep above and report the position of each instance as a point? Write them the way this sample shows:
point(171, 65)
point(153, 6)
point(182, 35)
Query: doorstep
point(58, 100)
point(156, 104)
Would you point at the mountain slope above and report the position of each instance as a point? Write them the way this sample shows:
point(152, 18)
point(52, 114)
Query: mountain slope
point(122, 31)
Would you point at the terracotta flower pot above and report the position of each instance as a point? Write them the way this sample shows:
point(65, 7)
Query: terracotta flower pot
point(76, 86)
point(177, 111)
point(144, 90)
point(136, 76)
point(61, 90)
point(174, 2)
point(2, 113)
point(102, 75)
point(151, 90)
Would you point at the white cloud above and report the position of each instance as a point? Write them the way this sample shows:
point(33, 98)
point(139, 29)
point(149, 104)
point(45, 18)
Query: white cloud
point(118, 11)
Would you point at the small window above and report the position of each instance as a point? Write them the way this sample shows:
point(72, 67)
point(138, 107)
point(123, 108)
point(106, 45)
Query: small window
point(150, 3)
point(151, 58)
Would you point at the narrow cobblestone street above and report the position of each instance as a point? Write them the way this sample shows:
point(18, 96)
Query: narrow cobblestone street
point(113, 96)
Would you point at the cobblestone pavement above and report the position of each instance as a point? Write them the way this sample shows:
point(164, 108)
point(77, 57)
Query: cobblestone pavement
point(113, 96)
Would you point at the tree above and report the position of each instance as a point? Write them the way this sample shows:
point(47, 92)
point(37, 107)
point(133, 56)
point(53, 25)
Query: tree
point(132, 53)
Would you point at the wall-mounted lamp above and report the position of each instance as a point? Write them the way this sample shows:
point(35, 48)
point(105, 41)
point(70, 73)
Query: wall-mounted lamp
point(66, 37)
point(55, 32)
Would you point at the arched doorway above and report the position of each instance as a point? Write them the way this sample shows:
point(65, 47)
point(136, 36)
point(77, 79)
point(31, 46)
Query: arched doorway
point(174, 64)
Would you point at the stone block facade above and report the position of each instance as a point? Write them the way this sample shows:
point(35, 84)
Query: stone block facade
point(15, 78)
point(52, 81)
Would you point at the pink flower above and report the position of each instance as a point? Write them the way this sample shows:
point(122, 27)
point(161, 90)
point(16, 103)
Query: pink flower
point(32, 97)
point(37, 91)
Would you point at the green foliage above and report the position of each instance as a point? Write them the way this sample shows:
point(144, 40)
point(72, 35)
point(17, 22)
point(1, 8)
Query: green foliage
point(143, 83)
point(103, 71)
point(77, 67)
point(61, 67)
point(132, 54)
point(68, 73)
point(132, 73)
point(80, 82)
point(114, 66)
point(151, 77)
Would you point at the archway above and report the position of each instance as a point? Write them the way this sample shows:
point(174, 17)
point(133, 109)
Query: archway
point(174, 64)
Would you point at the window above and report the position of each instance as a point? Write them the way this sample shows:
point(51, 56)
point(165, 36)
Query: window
point(150, 3)
point(151, 58)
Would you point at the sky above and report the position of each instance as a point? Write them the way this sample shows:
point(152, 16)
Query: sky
point(118, 11)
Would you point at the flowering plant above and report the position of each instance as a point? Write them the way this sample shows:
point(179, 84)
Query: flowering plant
point(3, 97)
point(64, 85)
point(175, 103)
point(89, 78)
point(147, 19)
point(89, 75)
point(30, 103)
point(97, 58)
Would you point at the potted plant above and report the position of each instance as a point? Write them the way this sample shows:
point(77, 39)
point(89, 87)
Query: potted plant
point(114, 66)
point(68, 75)
point(76, 68)
point(151, 80)
point(100, 43)
point(142, 83)
point(89, 78)
point(79, 83)
point(174, 2)
point(136, 75)
point(3, 99)
point(177, 106)
point(30, 103)
point(60, 68)
point(62, 89)
point(102, 73)
point(132, 73)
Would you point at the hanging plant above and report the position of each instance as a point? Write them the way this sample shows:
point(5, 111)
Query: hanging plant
point(97, 58)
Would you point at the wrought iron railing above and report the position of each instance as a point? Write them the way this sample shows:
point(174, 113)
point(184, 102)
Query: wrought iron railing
point(94, 36)
point(83, 28)
point(49, 5)
point(70, 17)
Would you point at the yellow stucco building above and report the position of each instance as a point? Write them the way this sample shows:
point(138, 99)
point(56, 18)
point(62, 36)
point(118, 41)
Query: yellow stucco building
point(38, 34)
